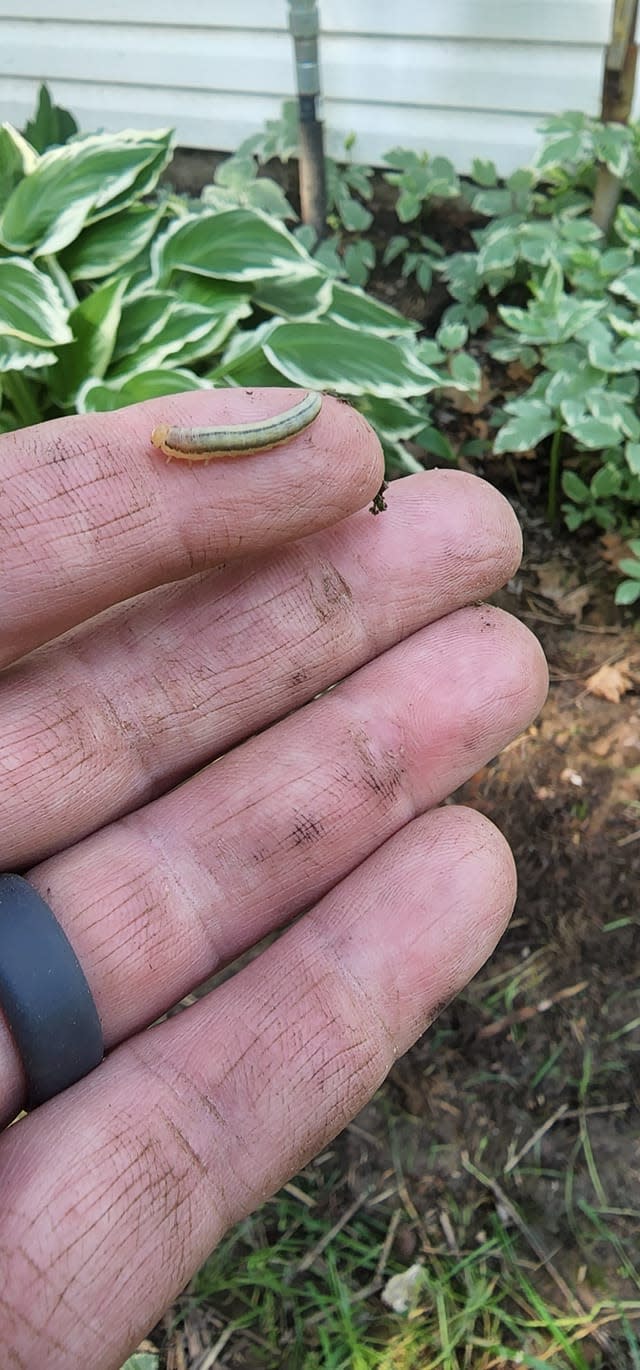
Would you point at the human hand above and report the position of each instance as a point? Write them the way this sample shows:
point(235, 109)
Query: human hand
point(203, 612)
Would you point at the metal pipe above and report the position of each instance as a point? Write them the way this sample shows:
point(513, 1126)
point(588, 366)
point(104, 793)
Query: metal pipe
point(304, 26)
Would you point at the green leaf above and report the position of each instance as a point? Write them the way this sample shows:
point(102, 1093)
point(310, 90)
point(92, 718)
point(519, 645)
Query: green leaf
point(396, 245)
point(51, 124)
point(575, 488)
point(18, 355)
point(464, 371)
point(434, 442)
point(499, 251)
point(579, 230)
point(295, 299)
point(355, 217)
point(537, 243)
point(573, 517)
point(359, 179)
point(627, 592)
point(492, 203)
point(534, 422)
point(108, 245)
point(627, 225)
point(612, 145)
point(630, 567)
point(187, 333)
point(104, 396)
point(628, 285)
point(354, 309)
point(326, 356)
point(608, 405)
point(94, 323)
point(70, 184)
point(142, 1360)
point(239, 245)
point(31, 307)
point(484, 172)
point(427, 351)
point(452, 336)
point(244, 362)
point(596, 433)
point(17, 159)
point(624, 356)
point(510, 350)
point(632, 454)
point(405, 158)
point(424, 274)
point(606, 482)
point(634, 544)
point(575, 385)
point(572, 410)
point(359, 259)
point(394, 419)
point(408, 206)
point(268, 196)
point(564, 146)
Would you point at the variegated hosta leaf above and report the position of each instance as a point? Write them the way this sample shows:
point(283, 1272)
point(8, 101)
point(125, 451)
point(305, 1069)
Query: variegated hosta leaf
point(326, 356)
point(239, 245)
point(33, 316)
point(81, 181)
point(97, 396)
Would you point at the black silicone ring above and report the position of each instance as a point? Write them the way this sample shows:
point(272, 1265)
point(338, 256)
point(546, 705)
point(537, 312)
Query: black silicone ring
point(44, 995)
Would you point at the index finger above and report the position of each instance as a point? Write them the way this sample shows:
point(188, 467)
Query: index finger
point(91, 514)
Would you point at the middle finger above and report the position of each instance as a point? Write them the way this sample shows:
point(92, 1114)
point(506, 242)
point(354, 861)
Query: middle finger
point(157, 902)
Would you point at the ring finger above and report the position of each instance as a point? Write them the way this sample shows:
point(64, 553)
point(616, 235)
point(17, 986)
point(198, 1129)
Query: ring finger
point(158, 901)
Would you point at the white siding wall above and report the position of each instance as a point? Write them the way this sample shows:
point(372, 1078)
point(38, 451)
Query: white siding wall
point(458, 77)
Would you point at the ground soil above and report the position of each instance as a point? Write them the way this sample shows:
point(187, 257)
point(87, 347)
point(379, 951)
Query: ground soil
point(562, 990)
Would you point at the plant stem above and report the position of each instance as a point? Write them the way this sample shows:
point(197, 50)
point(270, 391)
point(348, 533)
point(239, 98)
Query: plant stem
point(554, 476)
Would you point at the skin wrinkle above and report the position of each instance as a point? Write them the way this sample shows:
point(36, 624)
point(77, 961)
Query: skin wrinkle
point(191, 1102)
point(154, 751)
point(212, 902)
point(237, 855)
point(37, 1333)
point(135, 1200)
point(336, 963)
point(307, 829)
point(209, 952)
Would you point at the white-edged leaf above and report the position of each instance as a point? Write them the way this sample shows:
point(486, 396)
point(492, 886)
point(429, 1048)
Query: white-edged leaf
point(17, 355)
point(526, 429)
point(452, 336)
point(87, 177)
point(484, 172)
point(327, 356)
point(239, 245)
point(17, 159)
point(108, 245)
point(297, 299)
point(94, 323)
point(354, 309)
point(465, 372)
point(97, 396)
point(628, 285)
point(596, 434)
point(31, 307)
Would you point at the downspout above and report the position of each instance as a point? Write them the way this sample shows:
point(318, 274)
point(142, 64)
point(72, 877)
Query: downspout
point(304, 27)
point(617, 99)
